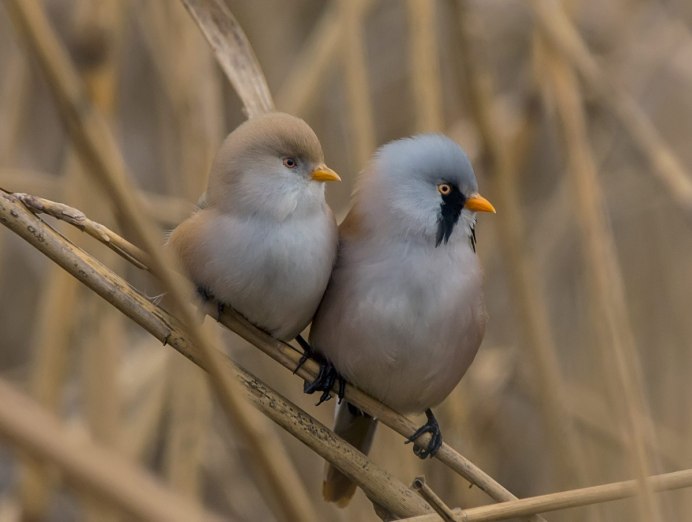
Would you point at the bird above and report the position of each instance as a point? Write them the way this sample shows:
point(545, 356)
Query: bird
point(263, 240)
point(403, 315)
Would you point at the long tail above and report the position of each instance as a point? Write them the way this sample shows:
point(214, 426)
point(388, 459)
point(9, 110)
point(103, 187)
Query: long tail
point(358, 429)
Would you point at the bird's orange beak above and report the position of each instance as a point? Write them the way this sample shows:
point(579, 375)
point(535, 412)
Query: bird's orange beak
point(324, 173)
point(478, 203)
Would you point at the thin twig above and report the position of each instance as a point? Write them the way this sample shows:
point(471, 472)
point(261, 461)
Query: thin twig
point(76, 218)
point(566, 499)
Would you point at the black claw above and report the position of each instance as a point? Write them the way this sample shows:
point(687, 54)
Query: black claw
point(431, 427)
point(325, 381)
point(307, 352)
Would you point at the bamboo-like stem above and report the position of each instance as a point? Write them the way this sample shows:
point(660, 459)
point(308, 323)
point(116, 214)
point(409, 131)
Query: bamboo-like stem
point(666, 166)
point(288, 356)
point(90, 467)
point(233, 52)
point(99, 151)
point(311, 67)
point(76, 218)
point(524, 283)
point(425, 69)
point(566, 499)
point(377, 483)
point(356, 70)
point(607, 287)
point(433, 499)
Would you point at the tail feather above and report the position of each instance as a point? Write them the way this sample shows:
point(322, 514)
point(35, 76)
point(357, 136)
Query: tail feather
point(358, 429)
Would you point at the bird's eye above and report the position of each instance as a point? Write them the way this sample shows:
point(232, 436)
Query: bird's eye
point(444, 188)
point(290, 163)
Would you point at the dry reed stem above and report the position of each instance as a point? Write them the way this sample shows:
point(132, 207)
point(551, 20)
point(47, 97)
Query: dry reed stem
point(433, 499)
point(357, 84)
point(166, 210)
point(425, 67)
point(525, 285)
point(377, 483)
point(233, 52)
point(76, 218)
point(300, 90)
point(89, 466)
point(288, 356)
point(606, 284)
point(99, 151)
point(667, 167)
point(567, 499)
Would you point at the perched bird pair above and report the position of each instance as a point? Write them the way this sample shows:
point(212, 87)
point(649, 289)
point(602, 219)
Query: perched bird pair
point(402, 314)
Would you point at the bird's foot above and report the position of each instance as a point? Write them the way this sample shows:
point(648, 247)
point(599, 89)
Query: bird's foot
point(431, 427)
point(325, 380)
point(307, 352)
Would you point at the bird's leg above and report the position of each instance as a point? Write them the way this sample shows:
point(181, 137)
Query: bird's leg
point(431, 427)
point(325, 381)
point(307, 352)
point(207, 296)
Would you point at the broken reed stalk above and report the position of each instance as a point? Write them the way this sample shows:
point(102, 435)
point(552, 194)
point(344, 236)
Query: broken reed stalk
point(89, 466)
point(433, 499)
point(288, 356)
point(99, 152)
point(377, 483)
point(604, 276)
point(566, 499)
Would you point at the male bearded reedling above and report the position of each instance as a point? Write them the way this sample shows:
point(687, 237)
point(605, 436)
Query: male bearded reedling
point(403, 315)
point(265, 240)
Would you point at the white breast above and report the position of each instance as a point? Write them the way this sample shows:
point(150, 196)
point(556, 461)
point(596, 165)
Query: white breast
point(274, 273)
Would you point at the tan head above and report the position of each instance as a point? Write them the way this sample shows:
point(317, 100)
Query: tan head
point(268, 158)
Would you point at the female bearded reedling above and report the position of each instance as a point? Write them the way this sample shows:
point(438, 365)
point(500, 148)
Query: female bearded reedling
point(265, 241)
point(403, 315)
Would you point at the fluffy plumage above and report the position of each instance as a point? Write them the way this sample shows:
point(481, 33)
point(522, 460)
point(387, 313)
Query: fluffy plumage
point(403, 315)
point(265, 241)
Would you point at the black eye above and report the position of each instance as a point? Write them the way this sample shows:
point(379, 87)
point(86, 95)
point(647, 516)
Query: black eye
point(444, 188)
point(290, 163)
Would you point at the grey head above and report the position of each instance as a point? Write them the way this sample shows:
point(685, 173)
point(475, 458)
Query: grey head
point(423, 185)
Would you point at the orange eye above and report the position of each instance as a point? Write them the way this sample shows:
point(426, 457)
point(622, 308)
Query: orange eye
point(290, 163)
point(444, 188)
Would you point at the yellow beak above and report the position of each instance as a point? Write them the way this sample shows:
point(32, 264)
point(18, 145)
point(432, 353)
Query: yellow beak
point(478, 203)
point(324, 173)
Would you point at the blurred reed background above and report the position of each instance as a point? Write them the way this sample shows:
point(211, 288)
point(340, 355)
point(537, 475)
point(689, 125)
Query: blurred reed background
point(581, 139)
